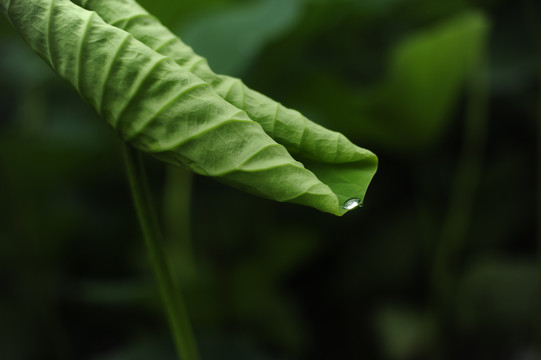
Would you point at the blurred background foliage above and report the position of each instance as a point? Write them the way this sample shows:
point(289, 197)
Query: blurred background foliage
point(442, 262)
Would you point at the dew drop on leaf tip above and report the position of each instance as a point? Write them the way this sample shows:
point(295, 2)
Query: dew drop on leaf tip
point(352, 203)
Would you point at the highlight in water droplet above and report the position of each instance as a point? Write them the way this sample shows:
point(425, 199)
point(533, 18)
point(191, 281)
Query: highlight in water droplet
point(352, 203)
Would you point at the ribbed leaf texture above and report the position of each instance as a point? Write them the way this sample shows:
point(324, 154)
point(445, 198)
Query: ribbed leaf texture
point(165, 100)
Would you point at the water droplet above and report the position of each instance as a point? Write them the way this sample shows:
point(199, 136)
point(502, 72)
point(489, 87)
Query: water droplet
point(352, 203)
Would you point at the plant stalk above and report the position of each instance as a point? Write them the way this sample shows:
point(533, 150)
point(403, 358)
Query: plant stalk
point(533, 17)
point(446, 265)
point(176, 216)
point(169, 289)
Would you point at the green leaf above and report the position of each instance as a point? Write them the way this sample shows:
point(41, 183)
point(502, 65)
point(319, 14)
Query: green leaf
point(231, 38)
point(499, 294)
point(159, 107)
point(404, 332)
point(427, 72)
point(344, 167)
point(432, 65)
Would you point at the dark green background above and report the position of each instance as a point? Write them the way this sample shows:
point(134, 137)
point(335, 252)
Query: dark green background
point(442, 262)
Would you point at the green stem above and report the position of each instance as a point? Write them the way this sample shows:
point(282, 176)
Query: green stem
point(531, 14)
point(537, 321)
point(171, 295)
point(458, 218)
point(176, 214)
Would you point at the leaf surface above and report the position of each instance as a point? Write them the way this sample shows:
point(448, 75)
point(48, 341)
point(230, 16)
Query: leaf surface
point(427, 73)
point(346, 168)
point(160, 107)
point(232, 37)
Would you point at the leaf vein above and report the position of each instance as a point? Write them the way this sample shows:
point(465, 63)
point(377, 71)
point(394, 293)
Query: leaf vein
point(243, 94)
point(301, 142)
point(80, 57)
point(201, 133)
point(264, 169)
point(128, 19)
point(49, 34)
point(109, 70)
point(336, 147)
point(200, 60)
point(162, 109)
point(138, 88)
point(302, 193)
point(229, 90)
point(165, 43)
point(274, 118)
point(256, 153)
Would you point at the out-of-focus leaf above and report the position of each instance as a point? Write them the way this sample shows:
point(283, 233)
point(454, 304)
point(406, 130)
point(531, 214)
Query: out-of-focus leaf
point(116, 293)
point(255, 285)
point(4, 29)
point(161, 108)
point(27, 69)
point(427, 72)
point(173, 13)
point(376, 6)
point(499, 295)
point(403, 333)
point(230, 39)
point(140, 349)
point(229, 347)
